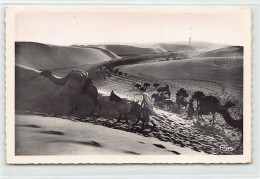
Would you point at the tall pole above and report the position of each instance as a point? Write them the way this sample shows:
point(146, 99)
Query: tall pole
point(190, 36)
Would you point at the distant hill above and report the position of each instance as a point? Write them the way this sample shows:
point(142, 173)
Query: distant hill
point(200, 45)
point(124, 50)
point(232, 51)
point(42, 56)
point(177, 47)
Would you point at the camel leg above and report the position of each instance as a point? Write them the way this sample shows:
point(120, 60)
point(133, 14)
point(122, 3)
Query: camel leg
point(99, 107)
point(153, 124)
point(202, 119)
point(213, 118)
point(118, 120)
point(96, 105)
point(143, 126)
point(126, 119)
point(135, 123)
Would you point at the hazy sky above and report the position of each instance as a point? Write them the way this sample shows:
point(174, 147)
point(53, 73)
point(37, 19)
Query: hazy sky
point(68, 27)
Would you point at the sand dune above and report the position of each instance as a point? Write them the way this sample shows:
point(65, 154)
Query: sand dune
point(221, 76)
point(42, 56)
point(232, 51)
point(124, 50)
point(38, 135)
point(200, 69)
point(203, 46)
point(177, 47)
point(99, 47)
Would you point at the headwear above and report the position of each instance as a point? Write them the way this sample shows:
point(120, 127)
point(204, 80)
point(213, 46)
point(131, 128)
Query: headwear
point(86, 72)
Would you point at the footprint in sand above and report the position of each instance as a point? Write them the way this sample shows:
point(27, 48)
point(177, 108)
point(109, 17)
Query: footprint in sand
point(130, 152)
point(159, 146)
point(52, 132)
point(29, 125)
point(177, 153)
point(89, 143)
point(92, 143)
point(162, 147)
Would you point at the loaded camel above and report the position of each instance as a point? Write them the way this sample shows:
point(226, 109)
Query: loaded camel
point(180, 98)
point(75, 83)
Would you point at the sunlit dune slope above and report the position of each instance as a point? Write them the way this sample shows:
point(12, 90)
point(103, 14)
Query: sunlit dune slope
point(98, 47)
point(217, 69)
point(42, 56)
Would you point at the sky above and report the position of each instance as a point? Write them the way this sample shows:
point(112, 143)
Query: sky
point(129, 26)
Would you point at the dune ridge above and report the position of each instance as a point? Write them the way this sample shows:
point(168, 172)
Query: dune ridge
point(43, 56)
point(233, 51)
point(124, 50)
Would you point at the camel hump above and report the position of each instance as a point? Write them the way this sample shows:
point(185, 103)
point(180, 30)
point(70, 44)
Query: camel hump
point(211, 99)
point(74, 84)
point(77, 74)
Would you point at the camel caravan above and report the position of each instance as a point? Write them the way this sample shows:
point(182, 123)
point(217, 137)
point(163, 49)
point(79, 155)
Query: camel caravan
point(77, 85)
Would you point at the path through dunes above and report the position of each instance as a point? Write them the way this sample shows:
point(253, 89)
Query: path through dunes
point(43, 56)
point(175, 127)
point(222, 76)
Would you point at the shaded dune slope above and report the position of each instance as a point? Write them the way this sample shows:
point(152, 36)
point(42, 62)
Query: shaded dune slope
point(42, 56)
point(232, 51)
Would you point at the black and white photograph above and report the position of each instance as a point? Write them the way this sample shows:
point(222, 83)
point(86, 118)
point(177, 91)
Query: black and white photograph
point(128, 85)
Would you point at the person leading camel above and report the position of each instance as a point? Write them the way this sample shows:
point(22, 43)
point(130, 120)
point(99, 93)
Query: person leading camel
point(190, 107)
point(147, 105)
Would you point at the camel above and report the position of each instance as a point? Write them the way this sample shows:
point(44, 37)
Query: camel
point(210, 104)
point(197, 95)
point(147, 85)
point(180, 98)
point(75, 84)
point(156, 85)
point(163, 89)
point(137, 85)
